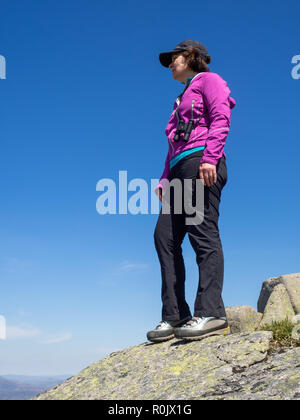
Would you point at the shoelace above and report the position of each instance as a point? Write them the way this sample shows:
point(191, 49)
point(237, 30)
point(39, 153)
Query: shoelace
point(162, 324)
point(197, 320)
point(193, 320)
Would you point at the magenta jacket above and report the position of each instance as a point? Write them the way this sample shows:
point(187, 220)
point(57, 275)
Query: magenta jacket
point(207, 101)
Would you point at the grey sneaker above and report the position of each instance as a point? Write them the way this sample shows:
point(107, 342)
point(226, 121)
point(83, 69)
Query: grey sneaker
point(198, 328)
point(165, 330)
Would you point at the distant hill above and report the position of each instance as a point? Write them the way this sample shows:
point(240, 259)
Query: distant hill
point(21, 387)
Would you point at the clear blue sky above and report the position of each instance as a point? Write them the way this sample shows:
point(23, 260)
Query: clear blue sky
point(86, 97)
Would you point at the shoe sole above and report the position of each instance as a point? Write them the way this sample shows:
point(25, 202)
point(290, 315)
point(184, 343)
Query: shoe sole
point(222, 331)
point(160, 339)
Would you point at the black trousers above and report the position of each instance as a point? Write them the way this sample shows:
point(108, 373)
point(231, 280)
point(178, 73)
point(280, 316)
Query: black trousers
point(169, 233)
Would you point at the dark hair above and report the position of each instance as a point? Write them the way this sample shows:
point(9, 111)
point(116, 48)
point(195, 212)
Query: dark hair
point(194, 60)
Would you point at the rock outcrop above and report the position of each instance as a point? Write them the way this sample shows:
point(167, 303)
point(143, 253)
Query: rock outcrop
point(243, 318)
point(279, 297)
point(238, 366)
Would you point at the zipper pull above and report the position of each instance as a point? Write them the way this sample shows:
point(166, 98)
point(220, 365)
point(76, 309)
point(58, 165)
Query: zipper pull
point(193, 108)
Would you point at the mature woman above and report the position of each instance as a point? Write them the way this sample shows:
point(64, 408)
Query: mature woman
point(197, 130)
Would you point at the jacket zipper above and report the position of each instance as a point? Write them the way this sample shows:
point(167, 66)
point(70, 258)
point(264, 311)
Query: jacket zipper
point(171, 144)
point(193, 108)
point(197, 120)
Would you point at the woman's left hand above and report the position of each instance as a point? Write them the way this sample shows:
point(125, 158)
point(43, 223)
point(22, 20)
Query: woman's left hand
point(208, 173)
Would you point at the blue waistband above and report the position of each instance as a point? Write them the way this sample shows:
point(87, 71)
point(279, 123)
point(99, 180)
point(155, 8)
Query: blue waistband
point(181, 155)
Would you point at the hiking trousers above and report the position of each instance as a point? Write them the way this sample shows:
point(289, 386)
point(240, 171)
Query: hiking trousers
point(169, 233)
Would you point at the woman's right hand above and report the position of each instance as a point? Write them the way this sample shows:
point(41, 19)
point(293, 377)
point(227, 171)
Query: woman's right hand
point(158, 192)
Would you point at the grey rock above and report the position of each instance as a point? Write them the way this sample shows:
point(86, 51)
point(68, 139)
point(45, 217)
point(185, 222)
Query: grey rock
point(296, 319)
point(296, 332)
point(292, 284)
point(266, 290)
point(236, 366)
point(278, 307)
point(242, 318)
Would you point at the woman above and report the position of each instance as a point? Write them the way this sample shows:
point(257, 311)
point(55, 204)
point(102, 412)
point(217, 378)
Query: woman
point(197, 130)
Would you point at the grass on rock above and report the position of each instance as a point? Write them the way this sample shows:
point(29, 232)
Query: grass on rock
point(282, 334)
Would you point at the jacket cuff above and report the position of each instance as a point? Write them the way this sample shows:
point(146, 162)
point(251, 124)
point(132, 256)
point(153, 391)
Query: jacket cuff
point(212, 161)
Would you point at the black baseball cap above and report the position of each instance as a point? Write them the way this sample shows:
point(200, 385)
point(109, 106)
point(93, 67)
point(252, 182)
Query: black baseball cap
point(166, 57)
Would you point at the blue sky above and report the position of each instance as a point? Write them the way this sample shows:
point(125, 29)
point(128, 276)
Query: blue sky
point(86, 97)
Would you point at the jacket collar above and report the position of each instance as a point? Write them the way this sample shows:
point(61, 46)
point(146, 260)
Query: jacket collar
point(189, 79)
point(188, 82)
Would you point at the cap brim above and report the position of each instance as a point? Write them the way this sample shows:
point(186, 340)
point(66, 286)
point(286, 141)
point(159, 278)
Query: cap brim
point(165, 58)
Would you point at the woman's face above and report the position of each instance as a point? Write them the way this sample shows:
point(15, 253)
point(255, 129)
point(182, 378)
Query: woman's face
point(179, 68)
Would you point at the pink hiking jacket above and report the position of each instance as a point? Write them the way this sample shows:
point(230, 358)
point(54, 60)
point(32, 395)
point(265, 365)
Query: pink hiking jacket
point(208, 103)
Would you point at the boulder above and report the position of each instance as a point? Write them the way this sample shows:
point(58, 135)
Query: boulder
point(296, 319)
point(242, 318)
point(278, 306)
point(292, 285)
point(291, 282)
point(296, 332)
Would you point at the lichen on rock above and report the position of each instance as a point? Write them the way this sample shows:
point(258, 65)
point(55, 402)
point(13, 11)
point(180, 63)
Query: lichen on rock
point(216, 367)
point(239, 366)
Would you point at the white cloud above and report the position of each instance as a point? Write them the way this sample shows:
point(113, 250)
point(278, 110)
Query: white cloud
point(23, 332)
point(14, 332)
point(57, 338)
point(126, 266)
point(111, 278)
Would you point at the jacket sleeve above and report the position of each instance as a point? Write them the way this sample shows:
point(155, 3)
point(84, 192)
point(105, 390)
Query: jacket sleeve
point(165, 178)
point(216, 99)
